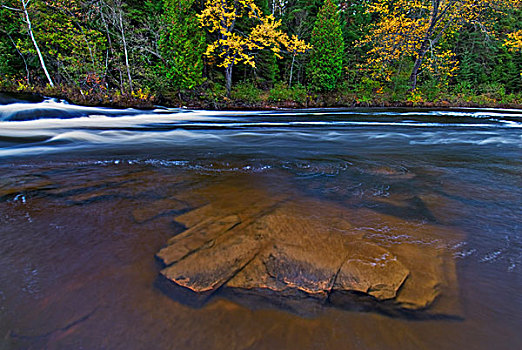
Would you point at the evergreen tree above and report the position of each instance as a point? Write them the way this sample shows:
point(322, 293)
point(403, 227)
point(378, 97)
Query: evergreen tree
point(355, 21)
point(326, 61)
point(182, 44)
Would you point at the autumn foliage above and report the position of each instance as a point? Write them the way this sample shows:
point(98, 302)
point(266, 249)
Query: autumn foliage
point(232, 47)
point(514, 41)
point(419, 28)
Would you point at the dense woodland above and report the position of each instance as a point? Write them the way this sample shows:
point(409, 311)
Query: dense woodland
point(212, 53)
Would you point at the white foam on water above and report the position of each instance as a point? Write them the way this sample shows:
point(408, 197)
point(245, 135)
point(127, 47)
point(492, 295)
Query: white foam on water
point(177, 126)
point(59, 107)
point(449, 140)
point(472, 113)
point(100, 120)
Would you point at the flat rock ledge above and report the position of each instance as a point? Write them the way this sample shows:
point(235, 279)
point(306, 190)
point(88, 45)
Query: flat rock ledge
point(289, 252)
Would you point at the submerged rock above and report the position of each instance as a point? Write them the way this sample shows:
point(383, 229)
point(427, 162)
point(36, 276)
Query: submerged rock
point(11, 187)
point(161, 207)
point(195, 238)
point(251, 243)
point(213, 266)
point(372, 270)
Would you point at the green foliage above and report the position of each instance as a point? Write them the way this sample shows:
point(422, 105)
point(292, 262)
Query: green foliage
point(431, 90)
point(11, 62)
point(72, 49)
point(246, 91)
point(463, 87)
point(281, 92)
point(326, 61)
point(7, 58)
point(182, 43)
point(366, 88)
point(355, 21)
point(298, 19)
point(476, 56)
point(493, 90)
point(400, 82)
point(485, 62)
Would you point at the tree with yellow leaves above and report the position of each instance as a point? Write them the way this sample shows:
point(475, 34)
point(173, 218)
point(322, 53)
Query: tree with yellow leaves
point(232, 46)
point(415, 28)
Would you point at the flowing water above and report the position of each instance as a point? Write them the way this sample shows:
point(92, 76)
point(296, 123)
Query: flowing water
point(77, 261)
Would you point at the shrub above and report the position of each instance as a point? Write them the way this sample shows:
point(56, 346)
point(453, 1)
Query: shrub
point(246, 91)
point(415, 97)
point(431, 90)
point(493, 90)
point(281, 92)
point(463, 87)
point(366, 89)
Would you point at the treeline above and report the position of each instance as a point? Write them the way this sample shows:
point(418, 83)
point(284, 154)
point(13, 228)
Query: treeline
point(310, 52)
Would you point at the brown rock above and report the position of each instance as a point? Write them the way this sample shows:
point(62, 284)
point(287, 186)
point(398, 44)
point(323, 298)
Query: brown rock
point(195, 238)
point(23, 184)
point(420, 248)
point(373, 270)
point(209, 228)
point(197, 216)
point(152, 210)
point(208, 269)
point(303, 269)
point(270, 247)
point(433, 279)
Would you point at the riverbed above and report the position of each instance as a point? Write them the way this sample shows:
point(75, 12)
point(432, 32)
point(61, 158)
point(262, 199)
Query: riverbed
point(83, 214)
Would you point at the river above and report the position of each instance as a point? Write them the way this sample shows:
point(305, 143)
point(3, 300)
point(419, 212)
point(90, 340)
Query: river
point(79, 234)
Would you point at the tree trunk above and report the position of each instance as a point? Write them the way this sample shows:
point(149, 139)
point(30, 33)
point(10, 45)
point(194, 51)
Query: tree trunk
point(126, 52)
point(228, 75)
point(426, 43)
point(417, 65)
point(30, 30)
point(291, 71)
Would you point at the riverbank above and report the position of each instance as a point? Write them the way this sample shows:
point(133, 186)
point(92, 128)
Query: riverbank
point(245, 97)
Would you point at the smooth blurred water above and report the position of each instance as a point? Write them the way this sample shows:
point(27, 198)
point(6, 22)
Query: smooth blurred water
point(78, 272)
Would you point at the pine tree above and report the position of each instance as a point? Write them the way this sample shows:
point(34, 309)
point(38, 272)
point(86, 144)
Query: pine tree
point(182, 44)
point(326, 61)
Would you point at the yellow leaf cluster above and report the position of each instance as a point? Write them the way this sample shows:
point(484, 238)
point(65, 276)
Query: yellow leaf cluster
point(443, 64)
point(231, 47)
point(514, 41)
point(415, 97)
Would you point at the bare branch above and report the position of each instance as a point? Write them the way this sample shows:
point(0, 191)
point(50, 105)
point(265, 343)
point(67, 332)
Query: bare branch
point(12, 8)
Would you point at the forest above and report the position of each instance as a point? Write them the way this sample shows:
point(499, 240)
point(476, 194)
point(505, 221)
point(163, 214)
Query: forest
point(259, 53)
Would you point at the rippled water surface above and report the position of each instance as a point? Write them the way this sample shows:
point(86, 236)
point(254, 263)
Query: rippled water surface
point(78, 267)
